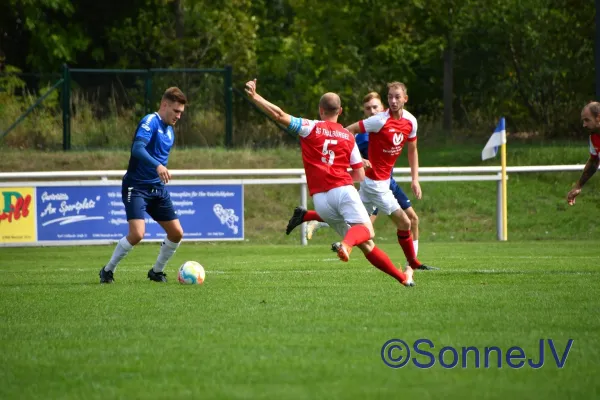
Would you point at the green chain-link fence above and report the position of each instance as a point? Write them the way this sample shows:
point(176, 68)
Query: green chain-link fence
point(100, 109)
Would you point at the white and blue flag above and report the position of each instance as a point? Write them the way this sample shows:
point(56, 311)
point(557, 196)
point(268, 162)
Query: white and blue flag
point(497, 139)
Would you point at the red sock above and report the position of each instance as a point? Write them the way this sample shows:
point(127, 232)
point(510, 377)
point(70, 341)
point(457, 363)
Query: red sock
point(406, 242)
point(381, 260)
point(356, 235)
point(311, 215)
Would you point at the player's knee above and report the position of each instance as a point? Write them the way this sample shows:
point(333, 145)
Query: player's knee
point(404, 222)
point(414, 219)
point(371, 232)
point(176, 234)
point(134, 237)
point(366, 247)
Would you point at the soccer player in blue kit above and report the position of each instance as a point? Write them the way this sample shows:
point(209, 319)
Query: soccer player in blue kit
point(143, 189)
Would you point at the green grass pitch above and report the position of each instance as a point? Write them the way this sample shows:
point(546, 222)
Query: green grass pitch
point(292, 322)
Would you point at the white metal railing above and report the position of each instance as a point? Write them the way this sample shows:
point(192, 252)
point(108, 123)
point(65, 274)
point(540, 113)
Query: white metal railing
point(283, 172)
point(284, 176)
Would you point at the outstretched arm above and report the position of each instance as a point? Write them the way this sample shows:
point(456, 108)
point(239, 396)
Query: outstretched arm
point(588, 171)
point(271, 109)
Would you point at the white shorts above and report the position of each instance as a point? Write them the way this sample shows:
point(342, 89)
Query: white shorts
point(377, 194)
point(339, 207)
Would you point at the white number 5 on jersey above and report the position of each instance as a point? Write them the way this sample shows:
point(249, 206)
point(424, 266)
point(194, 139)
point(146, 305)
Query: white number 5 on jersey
point(329, 155)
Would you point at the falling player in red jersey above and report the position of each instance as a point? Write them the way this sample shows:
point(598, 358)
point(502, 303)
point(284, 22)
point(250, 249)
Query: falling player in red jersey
point(328, 151)
point(388, 132)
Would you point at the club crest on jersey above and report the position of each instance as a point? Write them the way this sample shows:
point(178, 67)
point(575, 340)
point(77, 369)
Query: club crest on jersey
point(398, 137)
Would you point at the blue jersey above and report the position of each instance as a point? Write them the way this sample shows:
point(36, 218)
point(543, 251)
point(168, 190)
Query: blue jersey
point(362, 141)
point(158, 138)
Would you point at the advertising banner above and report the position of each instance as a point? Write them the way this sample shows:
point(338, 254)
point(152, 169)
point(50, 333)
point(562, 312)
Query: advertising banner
point(55, 214)
point(17, 215)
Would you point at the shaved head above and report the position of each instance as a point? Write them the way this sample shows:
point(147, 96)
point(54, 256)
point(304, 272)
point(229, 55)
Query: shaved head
point(330, 103)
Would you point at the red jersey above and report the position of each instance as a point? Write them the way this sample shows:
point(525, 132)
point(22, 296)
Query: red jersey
point(594, 144)
point(386, 140)
point(328, 150)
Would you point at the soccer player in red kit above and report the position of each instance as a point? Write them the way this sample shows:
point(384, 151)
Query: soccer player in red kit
point(328, 151)
point(388, 132)
point(590, 116)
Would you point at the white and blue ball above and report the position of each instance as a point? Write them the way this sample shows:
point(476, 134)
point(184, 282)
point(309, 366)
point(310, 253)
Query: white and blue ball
point(191, 273)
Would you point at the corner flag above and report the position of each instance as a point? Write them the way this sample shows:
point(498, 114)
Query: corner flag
point(497, 139)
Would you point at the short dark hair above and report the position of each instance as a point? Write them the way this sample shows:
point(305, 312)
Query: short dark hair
point(174, 94)
point(370, 96)
point(594, 108)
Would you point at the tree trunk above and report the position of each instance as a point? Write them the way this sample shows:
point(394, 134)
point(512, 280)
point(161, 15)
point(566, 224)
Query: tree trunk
point(448, 84)
point(179, 28)
point(448, 75)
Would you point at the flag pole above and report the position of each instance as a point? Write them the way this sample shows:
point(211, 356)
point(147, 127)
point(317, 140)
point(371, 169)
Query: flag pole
point(504, 193)
point(490, 150)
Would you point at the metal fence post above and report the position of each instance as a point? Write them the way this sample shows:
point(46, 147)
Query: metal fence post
point(228, 106)
point(66, 106)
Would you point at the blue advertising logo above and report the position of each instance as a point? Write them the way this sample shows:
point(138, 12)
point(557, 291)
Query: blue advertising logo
point(74, 213)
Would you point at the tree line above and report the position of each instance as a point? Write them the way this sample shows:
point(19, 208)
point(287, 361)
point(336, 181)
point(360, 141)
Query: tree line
point(465, 62)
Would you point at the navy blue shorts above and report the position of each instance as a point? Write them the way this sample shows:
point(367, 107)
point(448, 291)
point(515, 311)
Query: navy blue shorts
point(399, 194)
point(152, 199)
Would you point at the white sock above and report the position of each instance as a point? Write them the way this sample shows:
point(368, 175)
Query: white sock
point(121, 250)
point(167, 249)
point(323, 225)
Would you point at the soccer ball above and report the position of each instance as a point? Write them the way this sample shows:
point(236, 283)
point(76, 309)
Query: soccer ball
point(191, 273)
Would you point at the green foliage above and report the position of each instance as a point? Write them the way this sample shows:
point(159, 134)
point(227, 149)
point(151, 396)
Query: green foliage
point(212, 34)
point(37, 130)
point(511, 58)
point(54, 37)
point(10, 83)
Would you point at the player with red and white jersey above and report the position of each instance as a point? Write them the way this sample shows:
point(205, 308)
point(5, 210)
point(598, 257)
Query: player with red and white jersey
point(388, 132)
point(328, 151)
point(590, 116)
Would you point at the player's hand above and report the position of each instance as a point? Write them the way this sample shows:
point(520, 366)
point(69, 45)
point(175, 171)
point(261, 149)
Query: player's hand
point(366, 163)
point(163, 173)
point(416, 188)
point(572, 194)
point(251, 88)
